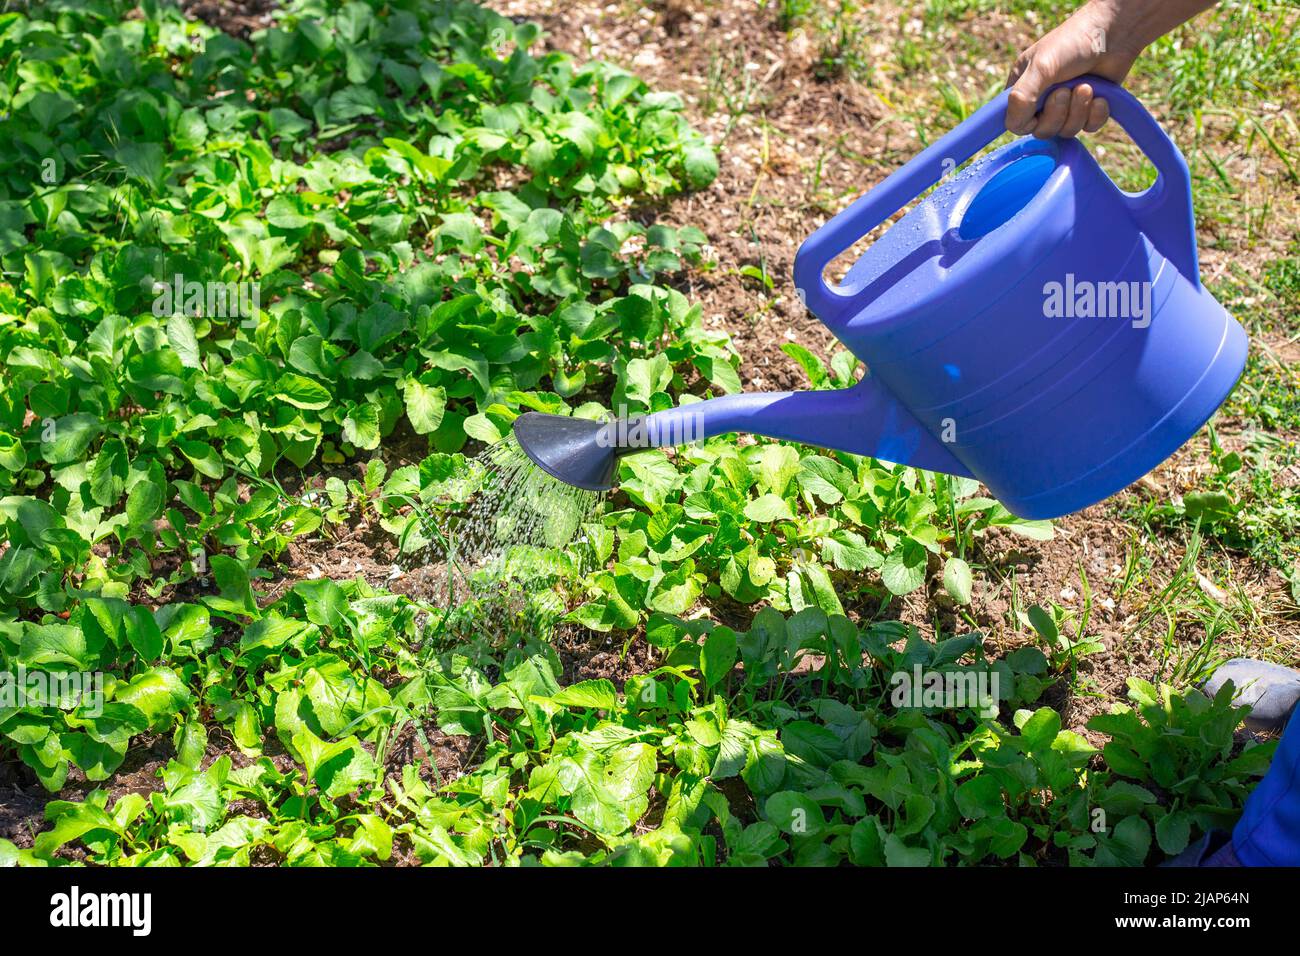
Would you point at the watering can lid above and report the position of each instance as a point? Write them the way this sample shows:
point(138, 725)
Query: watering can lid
point(964, 229)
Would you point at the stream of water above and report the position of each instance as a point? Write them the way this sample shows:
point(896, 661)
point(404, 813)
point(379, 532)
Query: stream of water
point(511, 539)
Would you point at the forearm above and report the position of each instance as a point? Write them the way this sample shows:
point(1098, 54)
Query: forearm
point(1142, 22)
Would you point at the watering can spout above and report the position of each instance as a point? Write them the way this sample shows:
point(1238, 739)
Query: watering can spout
point(862, 420)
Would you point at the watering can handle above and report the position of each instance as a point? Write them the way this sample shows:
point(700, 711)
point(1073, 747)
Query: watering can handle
point(1172, 231)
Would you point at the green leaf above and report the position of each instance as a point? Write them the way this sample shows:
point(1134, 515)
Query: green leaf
point(302, 392)
point(1131, 841)
point(232, 581)
point(794, 814)
point(271, 632)
point(767, 508)
point(1209, 507)
point(597, 694)
point(580, 129)
point(827, 479)
point(733, 749)
point(45, 645)
point(108, 473)
point(1036, 530)
point(425, 405)
point(181, 337)
point(677, 591)
point(700, 163)
point(866, 846)
point(819, 580)
point(143, 633)
point(980, 797)
point(144, 162)
point(338, 768)
point(480, 427)
point(283, 213)
point(848, 551)
point(50, 108)
point(957, 580)
point(644, 377)
point(325, 602)
point(13, 457)
point(191, 742)
point(372, 837)
point(897, 853)
point(1040, 729)
point(361, 427)
point(1174, 832)
point(203, 457)
point(72, 435)
point(72, 821)
point(718, 656)
point(777, 465)
point(811, 364)
point(158, 693)
point(608, 795)
point(765, 767)
point(813, 743)
point(1124, 761)
point(651, 478)
point(904, 567)
point(1043, 623)
point(719, 372)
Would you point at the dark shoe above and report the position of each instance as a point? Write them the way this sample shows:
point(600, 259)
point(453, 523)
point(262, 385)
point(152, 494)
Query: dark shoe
point(1270, 690)
point(1214, 849)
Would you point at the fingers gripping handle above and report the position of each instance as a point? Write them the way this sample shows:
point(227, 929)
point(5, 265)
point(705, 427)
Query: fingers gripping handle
point(1164, 209)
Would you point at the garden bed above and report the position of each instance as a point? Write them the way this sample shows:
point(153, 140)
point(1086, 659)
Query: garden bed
point(706, 667)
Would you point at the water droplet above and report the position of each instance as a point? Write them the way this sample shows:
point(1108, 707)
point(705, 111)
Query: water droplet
point(508, 551)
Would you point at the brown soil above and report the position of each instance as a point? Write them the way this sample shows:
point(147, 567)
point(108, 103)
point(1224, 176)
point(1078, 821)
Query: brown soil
point(452, 757)
point(23, 799)
point(588, 655)
point(237, 17)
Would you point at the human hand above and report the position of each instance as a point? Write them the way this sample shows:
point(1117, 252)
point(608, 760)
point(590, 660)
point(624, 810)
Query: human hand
point(1085, 43)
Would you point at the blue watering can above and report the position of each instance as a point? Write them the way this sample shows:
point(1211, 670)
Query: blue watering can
point(1028, 324)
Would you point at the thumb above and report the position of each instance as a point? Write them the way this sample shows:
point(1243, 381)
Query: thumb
point(1022, 102)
